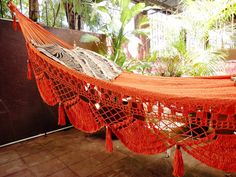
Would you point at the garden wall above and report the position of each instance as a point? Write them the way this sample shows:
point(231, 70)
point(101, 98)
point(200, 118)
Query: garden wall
point(22, 112)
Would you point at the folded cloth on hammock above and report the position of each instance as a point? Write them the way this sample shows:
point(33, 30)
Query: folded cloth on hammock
point(82, 60)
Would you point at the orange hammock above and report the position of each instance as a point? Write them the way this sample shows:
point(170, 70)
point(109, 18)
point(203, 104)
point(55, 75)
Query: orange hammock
point(148, 114)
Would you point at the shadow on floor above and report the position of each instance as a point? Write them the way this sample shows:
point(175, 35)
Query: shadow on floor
point(72, 153)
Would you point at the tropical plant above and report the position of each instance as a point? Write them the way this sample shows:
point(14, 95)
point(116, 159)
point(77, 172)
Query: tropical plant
point(210, 62)
point(203, 16)
point(143, 66)
point(198, 19)
point(80, 11)
point(5, 13)
point(119, 34)
point(197, 62)
point(52, 13)
point(23, 5)
point(118, 14)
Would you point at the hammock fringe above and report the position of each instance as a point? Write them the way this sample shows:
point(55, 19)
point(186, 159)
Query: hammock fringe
point(61, 115)
point(14, 23)
point(178, 164)
point(109, 144)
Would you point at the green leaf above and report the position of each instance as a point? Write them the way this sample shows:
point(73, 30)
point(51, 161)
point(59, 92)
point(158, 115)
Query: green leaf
point(136, 9)
point(125, 16)
point(103, 9)
point(87, 38)
point(124, 3)
point(132, 68)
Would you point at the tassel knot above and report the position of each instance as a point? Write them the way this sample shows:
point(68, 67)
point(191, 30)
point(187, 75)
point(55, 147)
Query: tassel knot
point(61, 115)
point(109, 146)
point(178, 164)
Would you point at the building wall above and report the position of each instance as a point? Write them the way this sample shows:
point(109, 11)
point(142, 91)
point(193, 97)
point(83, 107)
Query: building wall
point(231, 54)
point(22, 112)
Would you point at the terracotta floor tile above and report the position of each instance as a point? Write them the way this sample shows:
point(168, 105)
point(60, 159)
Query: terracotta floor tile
point(7, 156)
point(161, 167)
point(114, 157)
point(47, 168)
point(37, 158)
point(23, 173)
point(107, 171)
point(101, 156)
point(12, 167)
point(10, 147)
point(28, 148)
point(86, 167)
point(210, 172)
point(145, 160)
point(72, 153)
point(64, 173)
point(72, 157)
point(92, 148)
point(58, 147)
point(44, 140)
point(59, 151)
point(126, 163)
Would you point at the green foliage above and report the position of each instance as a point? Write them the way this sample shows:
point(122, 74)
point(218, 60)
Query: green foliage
point(87, 10)
point(200, 62)
point(116, 30)
point(127, 13)
point(198, 17)
point(141, 66)
point(6, 11)
point(213, 62)
point(87, 38)
point(206, 15)
point(52, 13)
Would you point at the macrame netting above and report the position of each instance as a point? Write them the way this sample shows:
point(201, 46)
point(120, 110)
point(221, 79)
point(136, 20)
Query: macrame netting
point(148, 114)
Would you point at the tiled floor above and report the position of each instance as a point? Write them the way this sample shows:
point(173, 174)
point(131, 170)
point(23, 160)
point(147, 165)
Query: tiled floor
point(72, 153)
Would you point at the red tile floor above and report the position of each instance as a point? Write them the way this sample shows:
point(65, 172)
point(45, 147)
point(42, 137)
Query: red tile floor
point(72, 153)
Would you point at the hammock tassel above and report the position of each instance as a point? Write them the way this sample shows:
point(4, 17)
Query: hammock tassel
point(29, 71)
point(61, 115)
point(178, 165)
point(109, 146)
point(14, 24)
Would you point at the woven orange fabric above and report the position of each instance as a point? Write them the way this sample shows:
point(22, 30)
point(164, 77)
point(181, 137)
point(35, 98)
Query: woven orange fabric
point(184, 89)
point(148, 114)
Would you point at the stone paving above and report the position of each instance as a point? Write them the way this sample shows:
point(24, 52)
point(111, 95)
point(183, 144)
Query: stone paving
point(72, 153)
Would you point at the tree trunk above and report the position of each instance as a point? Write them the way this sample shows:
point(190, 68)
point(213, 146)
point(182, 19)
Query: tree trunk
point(73, 18)
point(1, 8)
point(34, 10)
